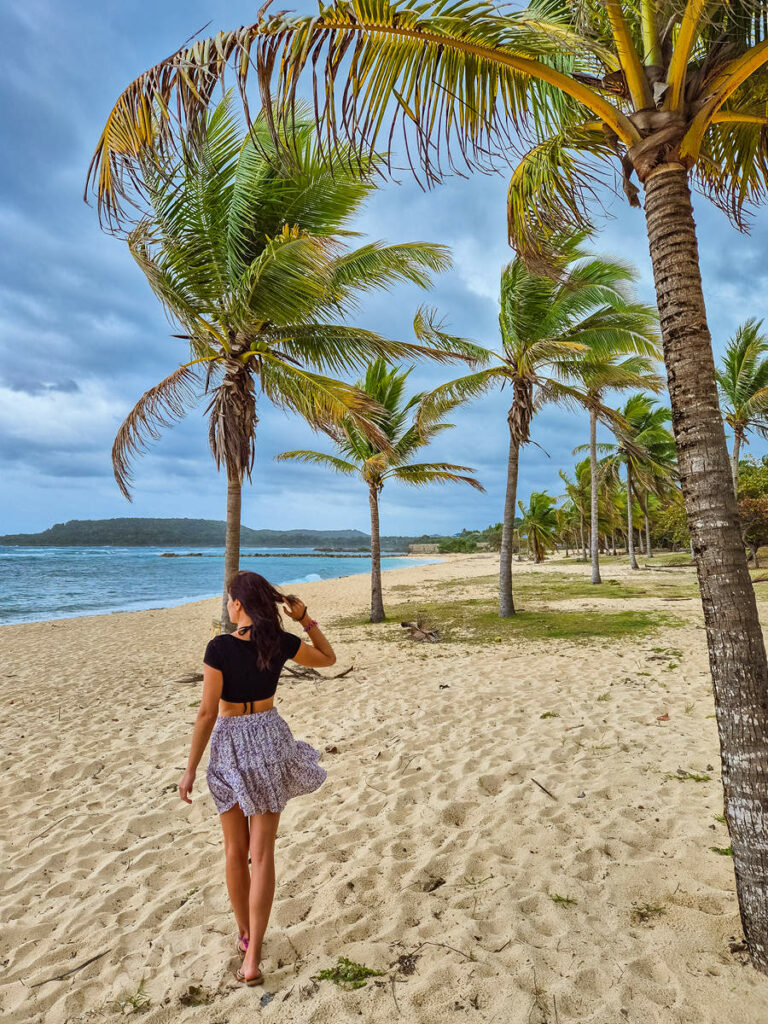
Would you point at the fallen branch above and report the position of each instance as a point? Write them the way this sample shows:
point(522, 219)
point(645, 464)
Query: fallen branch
point(392, 979)
point(422, 632)
point(45, 830)
point(544, 788)
point(66, 974)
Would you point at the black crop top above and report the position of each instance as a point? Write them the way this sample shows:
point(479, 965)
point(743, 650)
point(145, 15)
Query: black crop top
point(236, 660)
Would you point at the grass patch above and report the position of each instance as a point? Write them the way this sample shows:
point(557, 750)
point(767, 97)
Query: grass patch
point(724, 851)
point(563, 901)
point(720, 818)
point(604, 696)
point(347, 974)
point(136, 1002)
point(537, 587)
point(476, 621)
point(682, 776)
point(549, 714)
point(642, 913)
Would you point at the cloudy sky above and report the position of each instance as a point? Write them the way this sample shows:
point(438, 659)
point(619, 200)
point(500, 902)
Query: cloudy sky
point(82, 337)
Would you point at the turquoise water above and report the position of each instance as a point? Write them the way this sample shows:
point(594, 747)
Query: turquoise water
point(54, 583)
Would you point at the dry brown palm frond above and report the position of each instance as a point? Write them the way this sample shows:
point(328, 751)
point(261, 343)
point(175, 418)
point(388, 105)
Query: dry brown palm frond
point(161, 406)
point(233, 420)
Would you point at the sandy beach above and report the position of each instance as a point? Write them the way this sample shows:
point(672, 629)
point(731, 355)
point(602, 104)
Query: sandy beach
point(590, 895)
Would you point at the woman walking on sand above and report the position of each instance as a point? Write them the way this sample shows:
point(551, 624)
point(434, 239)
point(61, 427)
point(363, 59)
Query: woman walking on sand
point(255, 764)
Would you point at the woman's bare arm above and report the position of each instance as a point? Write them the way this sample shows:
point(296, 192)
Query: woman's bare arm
point(318, 653)
point(213, 682)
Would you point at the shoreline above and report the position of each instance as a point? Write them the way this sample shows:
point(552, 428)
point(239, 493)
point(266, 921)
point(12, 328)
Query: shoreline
point(523, 821)
point(189, 600)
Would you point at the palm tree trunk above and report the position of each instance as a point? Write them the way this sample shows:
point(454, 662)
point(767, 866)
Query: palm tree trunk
point(583, 539)
point(593, 496)
point(506, 598)
point(735, 463)
point(648, 546)
point(734, 638)
point(613, 543)
point(630, 527)
point(231, 543)
point(377, 601)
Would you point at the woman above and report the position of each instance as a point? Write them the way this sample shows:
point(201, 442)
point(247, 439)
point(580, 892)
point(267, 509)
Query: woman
point(255, 764)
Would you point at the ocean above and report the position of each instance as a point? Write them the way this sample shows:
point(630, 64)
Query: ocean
point(60, 582)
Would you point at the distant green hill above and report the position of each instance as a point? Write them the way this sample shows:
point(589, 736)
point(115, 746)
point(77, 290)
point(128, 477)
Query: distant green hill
point(137, 532)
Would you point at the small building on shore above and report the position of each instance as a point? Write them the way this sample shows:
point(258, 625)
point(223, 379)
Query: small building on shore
point(423, 549)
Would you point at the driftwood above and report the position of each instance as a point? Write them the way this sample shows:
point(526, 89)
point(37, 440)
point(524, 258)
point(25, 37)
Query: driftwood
point(422, 631)
point(305, 672)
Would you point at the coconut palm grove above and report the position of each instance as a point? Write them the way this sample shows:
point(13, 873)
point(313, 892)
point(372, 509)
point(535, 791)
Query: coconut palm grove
point(582, 683)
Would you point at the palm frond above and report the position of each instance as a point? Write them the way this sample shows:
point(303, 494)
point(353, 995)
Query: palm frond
point(421, 474)
point(552, 187)
point(453, 75)
point(323, 402)
point(319, 459)
point(442, 345)
point(377, 265)
point(162, 406)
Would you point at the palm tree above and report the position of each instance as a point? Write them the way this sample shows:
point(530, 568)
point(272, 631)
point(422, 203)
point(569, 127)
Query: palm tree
point(547, 328)
point(671, 92)
point(598, 373)
point(743, 383)
point(539, 524)
point(408, 426)
point(243, 246)
point(578, 492)
point(644, 447)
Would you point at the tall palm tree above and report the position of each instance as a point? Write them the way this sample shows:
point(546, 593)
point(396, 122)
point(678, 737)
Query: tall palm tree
point(578, 492)
point(598, 372)
point(539, 524)
point(644, 447)
point(244, 247)
point(671, 92)
point(548, 328)
point(408, 426)
point(743, 383)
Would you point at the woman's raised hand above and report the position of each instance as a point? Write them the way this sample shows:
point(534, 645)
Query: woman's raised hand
point(294, 607)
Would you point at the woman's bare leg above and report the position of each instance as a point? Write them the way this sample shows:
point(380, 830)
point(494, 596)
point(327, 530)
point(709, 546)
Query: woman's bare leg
point(236, 839)
point(263, 833)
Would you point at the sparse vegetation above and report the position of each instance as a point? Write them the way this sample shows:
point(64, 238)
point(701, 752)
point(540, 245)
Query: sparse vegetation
point(476, 621)
point(724, 851)
point(681, 776)
point(347, 974)
point(563, 901)
point(136, 1002)
point(642, 913)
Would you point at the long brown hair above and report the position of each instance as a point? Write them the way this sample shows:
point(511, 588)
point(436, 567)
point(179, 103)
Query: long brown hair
point(261, 602)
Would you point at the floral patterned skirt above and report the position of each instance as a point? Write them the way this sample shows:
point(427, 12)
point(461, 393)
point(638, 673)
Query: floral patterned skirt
point(255, 762)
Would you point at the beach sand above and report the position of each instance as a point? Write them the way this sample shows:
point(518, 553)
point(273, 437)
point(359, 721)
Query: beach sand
point(429, 853)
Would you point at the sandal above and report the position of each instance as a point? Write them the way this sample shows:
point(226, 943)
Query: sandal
point(242, 945)
point(257, 980)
